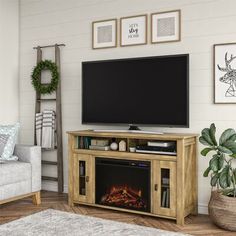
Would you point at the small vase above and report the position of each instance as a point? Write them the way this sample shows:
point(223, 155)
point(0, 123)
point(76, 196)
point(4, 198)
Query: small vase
point(114, 146)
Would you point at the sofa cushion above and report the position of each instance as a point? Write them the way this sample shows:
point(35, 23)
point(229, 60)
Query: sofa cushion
point(15, 189)
point(12, 131)
point(14, 171)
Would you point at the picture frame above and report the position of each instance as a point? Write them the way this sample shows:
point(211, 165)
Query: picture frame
point(166, 26)
point(224, 70)
point(104, 34)
point(133, 30)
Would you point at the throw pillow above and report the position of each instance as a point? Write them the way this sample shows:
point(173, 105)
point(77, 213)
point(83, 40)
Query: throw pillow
point(3, 142)
point(12, 131)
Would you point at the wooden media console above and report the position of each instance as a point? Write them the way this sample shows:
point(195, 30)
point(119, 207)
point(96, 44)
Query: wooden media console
point(143, 183)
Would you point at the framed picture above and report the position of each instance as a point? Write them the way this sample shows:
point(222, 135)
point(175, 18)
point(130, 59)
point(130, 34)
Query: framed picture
point(133, 30)
point(225, 73)
point(104, 34)
point(166, 26)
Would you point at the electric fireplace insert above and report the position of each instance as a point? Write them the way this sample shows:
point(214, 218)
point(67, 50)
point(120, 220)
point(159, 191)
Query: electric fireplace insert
point(123, 183)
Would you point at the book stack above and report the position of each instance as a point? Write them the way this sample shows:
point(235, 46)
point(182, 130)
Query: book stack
point(99, 144)
point(84, 142)
point(165, 198)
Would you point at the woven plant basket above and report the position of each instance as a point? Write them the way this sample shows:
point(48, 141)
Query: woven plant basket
point(222, 210)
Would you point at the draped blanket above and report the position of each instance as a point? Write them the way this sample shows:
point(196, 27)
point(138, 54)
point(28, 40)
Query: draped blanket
point(45, 129)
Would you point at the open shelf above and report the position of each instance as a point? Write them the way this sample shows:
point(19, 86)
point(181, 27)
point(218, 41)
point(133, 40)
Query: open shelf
point(141, 145)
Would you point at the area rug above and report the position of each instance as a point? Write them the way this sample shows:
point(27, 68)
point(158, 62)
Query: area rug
point(58, 223)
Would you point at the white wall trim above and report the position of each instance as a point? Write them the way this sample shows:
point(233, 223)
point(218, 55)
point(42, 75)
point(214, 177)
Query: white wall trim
point(52, 186)
point(203, 209)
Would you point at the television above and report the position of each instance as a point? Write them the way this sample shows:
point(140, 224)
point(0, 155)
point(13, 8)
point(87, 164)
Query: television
point(140, 91)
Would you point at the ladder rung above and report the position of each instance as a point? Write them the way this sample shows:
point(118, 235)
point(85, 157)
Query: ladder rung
point(49, 162)
point(46, 99)
point(49, 178)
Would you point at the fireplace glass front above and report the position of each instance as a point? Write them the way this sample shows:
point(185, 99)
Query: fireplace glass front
point(123, 183)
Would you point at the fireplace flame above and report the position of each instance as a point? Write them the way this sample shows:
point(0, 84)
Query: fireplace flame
point(124, 196)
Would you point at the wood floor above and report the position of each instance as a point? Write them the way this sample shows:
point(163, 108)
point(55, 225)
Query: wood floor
point(195, 225)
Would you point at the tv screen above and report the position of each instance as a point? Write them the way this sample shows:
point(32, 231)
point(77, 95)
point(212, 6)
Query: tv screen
point(141, 91)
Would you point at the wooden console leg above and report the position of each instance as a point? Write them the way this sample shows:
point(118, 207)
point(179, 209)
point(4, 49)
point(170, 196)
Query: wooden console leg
point(36, 198)
point(70, 202)
point(180, 221)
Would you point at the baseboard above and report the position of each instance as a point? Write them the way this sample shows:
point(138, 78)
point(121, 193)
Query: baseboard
point(203, 209)
point(52, 186)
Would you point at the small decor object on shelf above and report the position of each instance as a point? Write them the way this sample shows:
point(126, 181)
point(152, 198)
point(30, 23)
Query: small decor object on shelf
point(133, 30)
point(51, 87)
point(225, 73)
point(104, 34)
point(114, 146)
point(122, 146)
point(222, 205)
point(132, 149)
point(166, 26)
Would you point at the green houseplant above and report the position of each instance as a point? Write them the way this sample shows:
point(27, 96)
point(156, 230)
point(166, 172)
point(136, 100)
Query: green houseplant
point(222, 205)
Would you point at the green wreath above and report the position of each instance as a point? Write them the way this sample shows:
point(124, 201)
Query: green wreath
point(52, 86)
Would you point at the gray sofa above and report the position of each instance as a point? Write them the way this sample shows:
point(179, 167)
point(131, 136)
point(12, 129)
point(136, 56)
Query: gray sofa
point(22, 178)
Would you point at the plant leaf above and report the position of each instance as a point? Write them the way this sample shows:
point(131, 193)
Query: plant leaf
point(217, 162)
point(233, 155)
point(231, 145)
point(214, 179)
point(234, 175)
point(225, 150)
point(203, 141)
point(220, 161)
point(228, 192)
point(207, 137)
point(224, 178)
point(205, 151)
point(212, 134)
point(206, 172)
point(228, 134)
point(213, 163)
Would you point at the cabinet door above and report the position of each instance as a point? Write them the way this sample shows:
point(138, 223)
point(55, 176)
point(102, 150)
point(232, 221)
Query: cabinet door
point(83, 178)
point(164, 188)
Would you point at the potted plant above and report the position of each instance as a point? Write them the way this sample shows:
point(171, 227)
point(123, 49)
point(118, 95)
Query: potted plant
point(222, 205)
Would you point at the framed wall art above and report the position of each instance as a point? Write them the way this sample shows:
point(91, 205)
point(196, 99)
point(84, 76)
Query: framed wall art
point(224, 73)
point(133, 30)
point(104, 34)
point(166, 26)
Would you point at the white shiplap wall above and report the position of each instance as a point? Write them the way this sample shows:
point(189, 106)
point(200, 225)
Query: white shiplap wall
point(9, 61)
point(204, 23)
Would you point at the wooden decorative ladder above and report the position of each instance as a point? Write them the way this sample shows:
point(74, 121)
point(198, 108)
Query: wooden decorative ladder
point(39, 100)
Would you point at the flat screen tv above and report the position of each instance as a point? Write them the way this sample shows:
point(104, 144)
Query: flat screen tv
point(142, 91)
